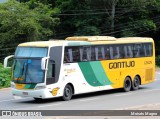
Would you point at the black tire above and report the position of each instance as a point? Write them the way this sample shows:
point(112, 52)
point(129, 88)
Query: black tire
point(136, 83)
point(67, 94)
point(127, 84)
point(38, 99)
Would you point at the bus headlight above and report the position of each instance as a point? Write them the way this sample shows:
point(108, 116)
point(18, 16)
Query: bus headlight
point(40, 87)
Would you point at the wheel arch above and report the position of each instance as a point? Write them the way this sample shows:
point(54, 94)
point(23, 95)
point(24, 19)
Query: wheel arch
point(71, 87)
point(129, 77)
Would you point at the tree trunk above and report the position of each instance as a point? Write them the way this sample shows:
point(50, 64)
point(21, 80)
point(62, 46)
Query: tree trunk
point(113, 16)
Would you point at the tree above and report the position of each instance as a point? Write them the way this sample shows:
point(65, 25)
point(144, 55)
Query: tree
point(19, 23)
point(75, 17)
point(110, 8)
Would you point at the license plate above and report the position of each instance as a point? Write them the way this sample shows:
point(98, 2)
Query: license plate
point(25, 93)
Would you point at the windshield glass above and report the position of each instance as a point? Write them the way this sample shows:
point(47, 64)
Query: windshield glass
point(31, 52)
point(28, 71)
point(27, 65)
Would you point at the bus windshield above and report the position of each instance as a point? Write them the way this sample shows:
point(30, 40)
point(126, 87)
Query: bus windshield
point(27, 65)
point(31, 52)
point(28, 71)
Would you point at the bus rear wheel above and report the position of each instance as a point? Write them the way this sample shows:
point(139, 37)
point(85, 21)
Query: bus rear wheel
point(67, 94)
point(127, 84)
point(136, 83)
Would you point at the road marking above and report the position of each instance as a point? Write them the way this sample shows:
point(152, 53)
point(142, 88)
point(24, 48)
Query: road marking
point(50, 105)
point(123, 94)
point(89, 99)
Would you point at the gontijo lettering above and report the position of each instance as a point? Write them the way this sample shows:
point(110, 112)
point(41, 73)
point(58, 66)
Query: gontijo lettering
point(125, 64)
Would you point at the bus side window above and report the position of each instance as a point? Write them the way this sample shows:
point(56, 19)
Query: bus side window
point(66, 55)
point(111, 52)
point(136, 50)
point(139, 50)
point(93, 55)
point(66, 58)
point(107, 52)
point(99, 53)
point(147, 49)
point(128, 51)
point(150, 50)
point(70, 54)
point(142, 52)
point(114, 52)
point(76, 54)
point(51, 72)
point(85, 53)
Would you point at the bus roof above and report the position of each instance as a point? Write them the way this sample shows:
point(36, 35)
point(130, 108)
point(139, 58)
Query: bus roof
point(86, 40)
point(42, 43)
point(91, 38)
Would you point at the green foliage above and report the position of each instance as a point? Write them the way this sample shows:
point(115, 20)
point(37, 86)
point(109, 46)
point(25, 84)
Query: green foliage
point(5, 77)
point(158, 61)
point(43, 19)
point(133, 29)
point(18, 20)
point(87, 30)
point(23, 22)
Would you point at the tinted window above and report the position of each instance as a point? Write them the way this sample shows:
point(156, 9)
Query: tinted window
point(31, 52)
point(128, 51)
point(85, 53)
point(115, 52)
point(148, 49)
point(104, 52)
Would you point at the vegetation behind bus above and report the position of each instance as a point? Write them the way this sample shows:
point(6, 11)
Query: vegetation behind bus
point(5, 76)
point(60, 19)
point(158, 61)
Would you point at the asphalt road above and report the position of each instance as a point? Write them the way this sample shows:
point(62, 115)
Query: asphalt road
point(104, 100)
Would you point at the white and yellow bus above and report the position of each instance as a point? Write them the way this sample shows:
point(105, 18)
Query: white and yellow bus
point(79, 65)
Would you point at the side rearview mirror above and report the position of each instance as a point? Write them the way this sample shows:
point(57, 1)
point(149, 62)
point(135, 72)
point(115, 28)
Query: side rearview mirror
point(43, 63)
point(6, 61)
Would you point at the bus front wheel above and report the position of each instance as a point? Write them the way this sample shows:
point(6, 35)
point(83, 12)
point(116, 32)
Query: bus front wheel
point(136, 83)
point(127, 84)
point(38, 99)
point(67, 94)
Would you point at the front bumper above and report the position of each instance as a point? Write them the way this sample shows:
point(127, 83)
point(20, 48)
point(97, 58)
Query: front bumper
point(41, 93)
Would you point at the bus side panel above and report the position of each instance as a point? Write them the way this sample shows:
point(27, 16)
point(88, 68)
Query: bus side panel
point(86, 77)
point(100, 75)
point(118, 70)
point(113, 74)
point(94, 73)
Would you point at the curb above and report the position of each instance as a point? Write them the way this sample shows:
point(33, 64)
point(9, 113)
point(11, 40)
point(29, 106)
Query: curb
point(2, 89)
